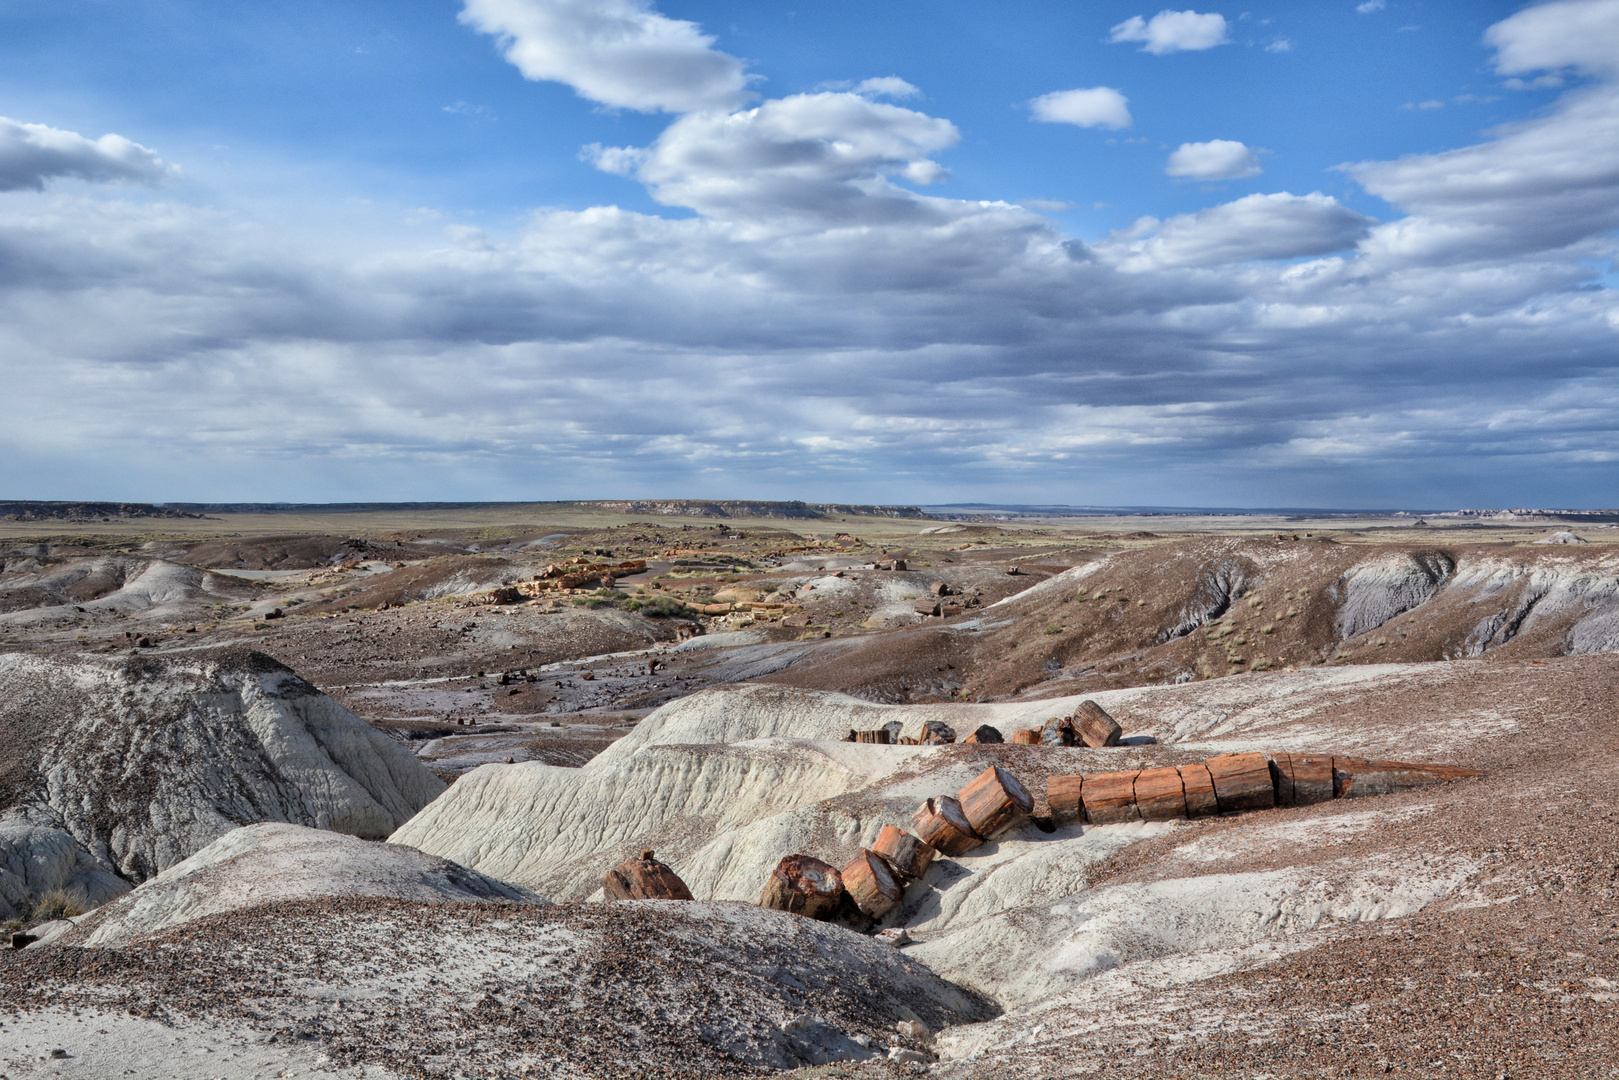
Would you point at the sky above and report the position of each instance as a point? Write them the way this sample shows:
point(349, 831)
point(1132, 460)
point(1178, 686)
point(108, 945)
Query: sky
point(1346, 253)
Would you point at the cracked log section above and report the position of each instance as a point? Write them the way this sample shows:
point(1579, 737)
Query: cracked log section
point(1230, 783)
point(804, 885)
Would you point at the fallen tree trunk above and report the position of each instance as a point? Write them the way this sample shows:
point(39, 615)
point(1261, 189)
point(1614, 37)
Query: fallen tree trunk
point(1063, 795)
point(1354, 777)
point(940, 823)
point(644, 879)
point(871, 885)
point(805, 886)
point(1199, 787)
point(908, 856)
point(1096, 728)
point(1110, 797)
point(1242, 782)
point(994, 801)
point(1160, 794)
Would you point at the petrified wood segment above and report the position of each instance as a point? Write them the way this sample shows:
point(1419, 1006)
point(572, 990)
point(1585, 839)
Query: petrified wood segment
point(1242, 782)
point(1059, 731)
point(1160, 795)
point(1354, 778)
point(994, 801)
point(1027, 737)
point(1312, 778)
point(880, 736)
point(1199, 788)
point(1095, 726)
point(644, 879)
point(1111, 797)
point(1281, 778)
point(1063, 796)
point(984, 734)
point(941, 823)
point(937, 732)
point(908, 856)
point(871, 885)
point(803, 885)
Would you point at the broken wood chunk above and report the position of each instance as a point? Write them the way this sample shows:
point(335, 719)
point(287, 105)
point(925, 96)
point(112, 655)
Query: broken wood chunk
point(804, 885)
point(1242, 782)
point(941, 823)
point(937, 732)
point(1110, 797)
point(927, 607)
point(1281, 778)
point(984, 734)
point(994, 801)
point(908, 856)
point(881, 736)
point(1160, 795)
point(1199, 788)
point(1027, 737)
point(1353, 778)
point(1063, 797)
point(871, 884)
point(1095, 726)
point(644, 879)
point(1059, 731)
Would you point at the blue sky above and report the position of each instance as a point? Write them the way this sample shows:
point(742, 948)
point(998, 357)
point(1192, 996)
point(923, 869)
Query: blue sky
point(359, 251)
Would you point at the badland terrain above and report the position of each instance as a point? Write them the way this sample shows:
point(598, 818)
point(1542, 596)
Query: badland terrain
point(701, 789)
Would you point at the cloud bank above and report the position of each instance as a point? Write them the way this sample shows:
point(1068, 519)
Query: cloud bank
point(809, 320)
point(32, 155)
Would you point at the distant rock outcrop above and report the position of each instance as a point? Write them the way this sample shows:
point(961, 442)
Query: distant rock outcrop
point(114, 770)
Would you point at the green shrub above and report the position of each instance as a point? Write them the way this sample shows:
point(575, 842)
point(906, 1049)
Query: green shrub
point(661, 607)
point(601, 598)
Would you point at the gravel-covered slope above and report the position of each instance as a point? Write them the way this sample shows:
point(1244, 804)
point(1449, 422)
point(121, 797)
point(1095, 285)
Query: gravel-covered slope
point(115, 769)
point(588, 991)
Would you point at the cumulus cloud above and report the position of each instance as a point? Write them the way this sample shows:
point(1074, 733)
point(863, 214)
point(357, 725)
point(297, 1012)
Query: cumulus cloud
point(31, 155)
point(1173, 31)
point(1371, 6)
point(817, 329)
point(890, 86)
point(1278, 226)
point(620, 53)
point(1217, 159)
point(1578, 34)
point(827, 156)
point(1100, 106)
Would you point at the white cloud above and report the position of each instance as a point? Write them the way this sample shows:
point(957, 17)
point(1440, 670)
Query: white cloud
point(1100, 106)
point(1217, 159)
point(31, 155)
point(621, 53)
point(887, 86)
point(1280, 45)
point(822, 155)
point(1278, 226)
point(1371, 6)
point(1579, 34)
point(1173, 31)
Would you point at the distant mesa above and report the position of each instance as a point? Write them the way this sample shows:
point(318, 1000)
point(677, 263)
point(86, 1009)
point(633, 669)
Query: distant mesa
point(86, 511)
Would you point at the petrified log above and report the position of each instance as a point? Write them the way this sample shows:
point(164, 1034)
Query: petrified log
point(644, 879)
point(994, 801)
point(1059, 731)
point(880, 736)
point(984, 734)
point(1063, 795)
point(1199, 787)
point(1111, 797)
point(927, 607)
point(1096, 727)
point(909, 740)
point(1028, 737)
point(1242, 782)
point(1353, 777)
point(871, 885)
point(939, 588)
point(937, 732)
point(1160, 795)
point(1281, 778)
point(908, 856)
point(941, 823)
point(804, 885)
point(1312, 778)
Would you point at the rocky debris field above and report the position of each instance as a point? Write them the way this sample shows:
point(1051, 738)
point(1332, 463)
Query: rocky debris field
point(206, 738)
